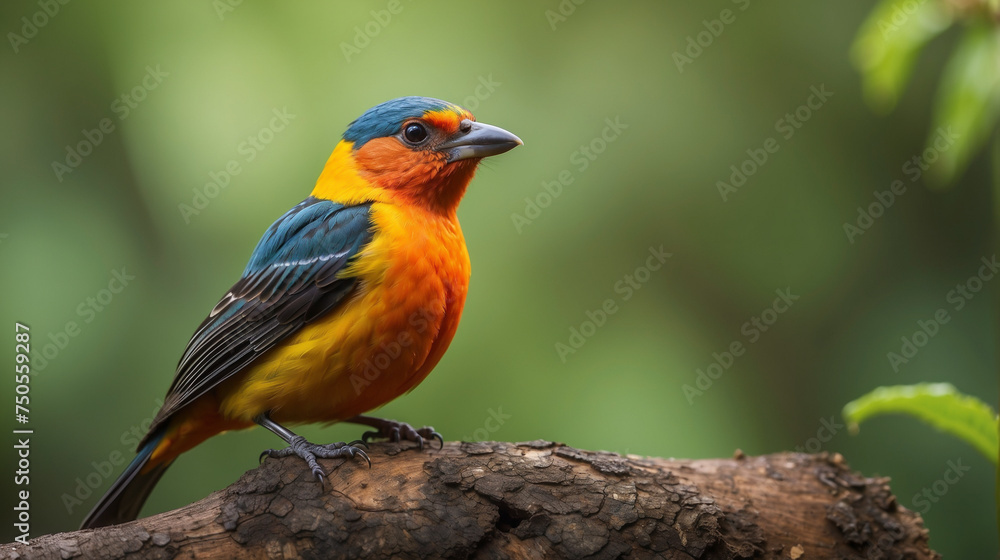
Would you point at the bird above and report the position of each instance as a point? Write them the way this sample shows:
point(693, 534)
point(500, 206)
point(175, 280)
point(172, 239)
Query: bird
point(348, 301)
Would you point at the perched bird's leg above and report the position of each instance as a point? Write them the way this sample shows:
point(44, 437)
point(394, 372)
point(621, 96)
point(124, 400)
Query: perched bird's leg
point(395, 431)
point(297, 445)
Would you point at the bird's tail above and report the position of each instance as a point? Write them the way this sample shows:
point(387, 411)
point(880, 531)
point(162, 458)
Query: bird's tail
point(124, 499)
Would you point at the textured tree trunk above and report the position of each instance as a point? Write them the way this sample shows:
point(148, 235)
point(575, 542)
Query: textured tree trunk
point(528, 500)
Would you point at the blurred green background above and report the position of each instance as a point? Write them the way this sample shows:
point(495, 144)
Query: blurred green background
point(554, 82)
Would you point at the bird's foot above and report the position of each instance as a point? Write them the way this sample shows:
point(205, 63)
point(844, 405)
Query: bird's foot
point(309, 452)
point(397, 431)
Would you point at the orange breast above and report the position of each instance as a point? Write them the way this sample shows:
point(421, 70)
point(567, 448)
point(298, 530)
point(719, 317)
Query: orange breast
point(378, 345)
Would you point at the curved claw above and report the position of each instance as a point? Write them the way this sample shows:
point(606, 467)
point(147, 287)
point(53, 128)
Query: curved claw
point(319, 474)
point(365, 455)
point(265, 453)
point(440, 438)
point(369, 435)
point(358, 442)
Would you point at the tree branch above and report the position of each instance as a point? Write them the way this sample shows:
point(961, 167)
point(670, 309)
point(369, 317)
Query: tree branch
point(528, 500)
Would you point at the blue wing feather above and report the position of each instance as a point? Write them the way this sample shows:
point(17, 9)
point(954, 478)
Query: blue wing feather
point(290, 280)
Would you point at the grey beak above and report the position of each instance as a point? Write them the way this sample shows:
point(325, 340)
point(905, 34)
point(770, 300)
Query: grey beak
point(478, 140)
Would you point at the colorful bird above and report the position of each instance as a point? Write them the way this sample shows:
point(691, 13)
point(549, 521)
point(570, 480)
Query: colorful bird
point(348, 301)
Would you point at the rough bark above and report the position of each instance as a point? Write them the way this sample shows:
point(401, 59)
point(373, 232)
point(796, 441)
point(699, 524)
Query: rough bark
point(527, 500)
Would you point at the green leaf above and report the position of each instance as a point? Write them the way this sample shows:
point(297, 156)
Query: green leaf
point(938, 404)
point(967, 101)
point(888, 43)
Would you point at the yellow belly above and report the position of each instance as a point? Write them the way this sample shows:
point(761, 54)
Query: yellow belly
point(380, 343)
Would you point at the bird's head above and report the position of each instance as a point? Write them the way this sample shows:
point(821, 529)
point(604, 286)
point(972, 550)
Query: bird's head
point(415, 149)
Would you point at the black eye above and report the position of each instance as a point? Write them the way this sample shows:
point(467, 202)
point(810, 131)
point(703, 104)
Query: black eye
point(415, 133)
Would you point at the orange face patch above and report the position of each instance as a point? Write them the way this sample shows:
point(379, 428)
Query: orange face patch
point(421, 176)
point(393, 165)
